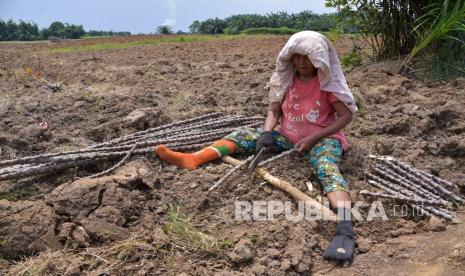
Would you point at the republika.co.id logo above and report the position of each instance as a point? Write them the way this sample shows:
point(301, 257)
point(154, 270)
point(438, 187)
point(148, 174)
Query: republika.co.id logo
point(270, 210)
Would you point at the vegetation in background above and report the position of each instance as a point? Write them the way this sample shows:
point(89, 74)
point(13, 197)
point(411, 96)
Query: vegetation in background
point(384, 24)
point(430, 33)
point(164, 30)
point(105, 33)
point(447, 62)
point(440, 35)
point(236, 24)
point(58, 29)
point(334, 34)
point(211, 26)
point(352, 59)
point(27, 31)
point(275, 31)
point(10, 30)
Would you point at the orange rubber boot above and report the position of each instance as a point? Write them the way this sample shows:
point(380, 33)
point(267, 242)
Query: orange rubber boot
point(192, 160)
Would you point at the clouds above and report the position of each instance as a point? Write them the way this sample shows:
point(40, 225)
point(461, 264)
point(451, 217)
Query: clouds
point(169, 22)
point(172, 13)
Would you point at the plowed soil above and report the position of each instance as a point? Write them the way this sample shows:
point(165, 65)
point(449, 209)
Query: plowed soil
point(122, 224)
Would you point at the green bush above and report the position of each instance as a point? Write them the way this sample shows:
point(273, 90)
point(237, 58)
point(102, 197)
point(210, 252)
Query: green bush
point(276, 31)
point(229, 31)
point(164, 30)
point(334, 35)
point(351, 59)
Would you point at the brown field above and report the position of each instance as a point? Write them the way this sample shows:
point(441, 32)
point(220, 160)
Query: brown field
point(130, 230)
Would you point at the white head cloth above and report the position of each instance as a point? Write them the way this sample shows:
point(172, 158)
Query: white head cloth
point(322, 55)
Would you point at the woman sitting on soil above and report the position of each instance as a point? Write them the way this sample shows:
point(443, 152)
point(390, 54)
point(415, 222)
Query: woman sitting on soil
point(311, 101)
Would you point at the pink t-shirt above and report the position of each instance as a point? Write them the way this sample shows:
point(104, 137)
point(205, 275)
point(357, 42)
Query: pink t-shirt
point(306, 110)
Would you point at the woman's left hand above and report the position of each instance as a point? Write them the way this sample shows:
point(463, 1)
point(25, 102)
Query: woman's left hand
point(307, 143)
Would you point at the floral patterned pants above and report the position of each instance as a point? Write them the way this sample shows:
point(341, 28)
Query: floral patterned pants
point(323, 157)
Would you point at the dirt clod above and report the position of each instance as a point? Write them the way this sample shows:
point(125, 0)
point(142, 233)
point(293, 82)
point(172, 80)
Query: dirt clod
point(160, 238)
point(103, 231)
point(27, 227)
point(364, 244)
point(243, 252)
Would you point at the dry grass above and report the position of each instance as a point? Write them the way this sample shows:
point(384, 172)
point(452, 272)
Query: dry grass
point(46, 263)
point(94, 261)
point(136, 246)
point(186, 238)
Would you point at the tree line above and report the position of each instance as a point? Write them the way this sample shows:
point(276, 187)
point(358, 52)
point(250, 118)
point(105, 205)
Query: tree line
point(305, 20)
point(106, 33)
point(10, 30)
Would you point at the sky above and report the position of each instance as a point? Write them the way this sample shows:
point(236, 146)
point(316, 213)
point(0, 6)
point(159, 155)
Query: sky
point(144, 16)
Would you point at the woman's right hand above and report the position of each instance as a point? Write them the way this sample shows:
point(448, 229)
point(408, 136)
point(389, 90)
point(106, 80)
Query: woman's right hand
point(271, 120)
point(265, 141)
